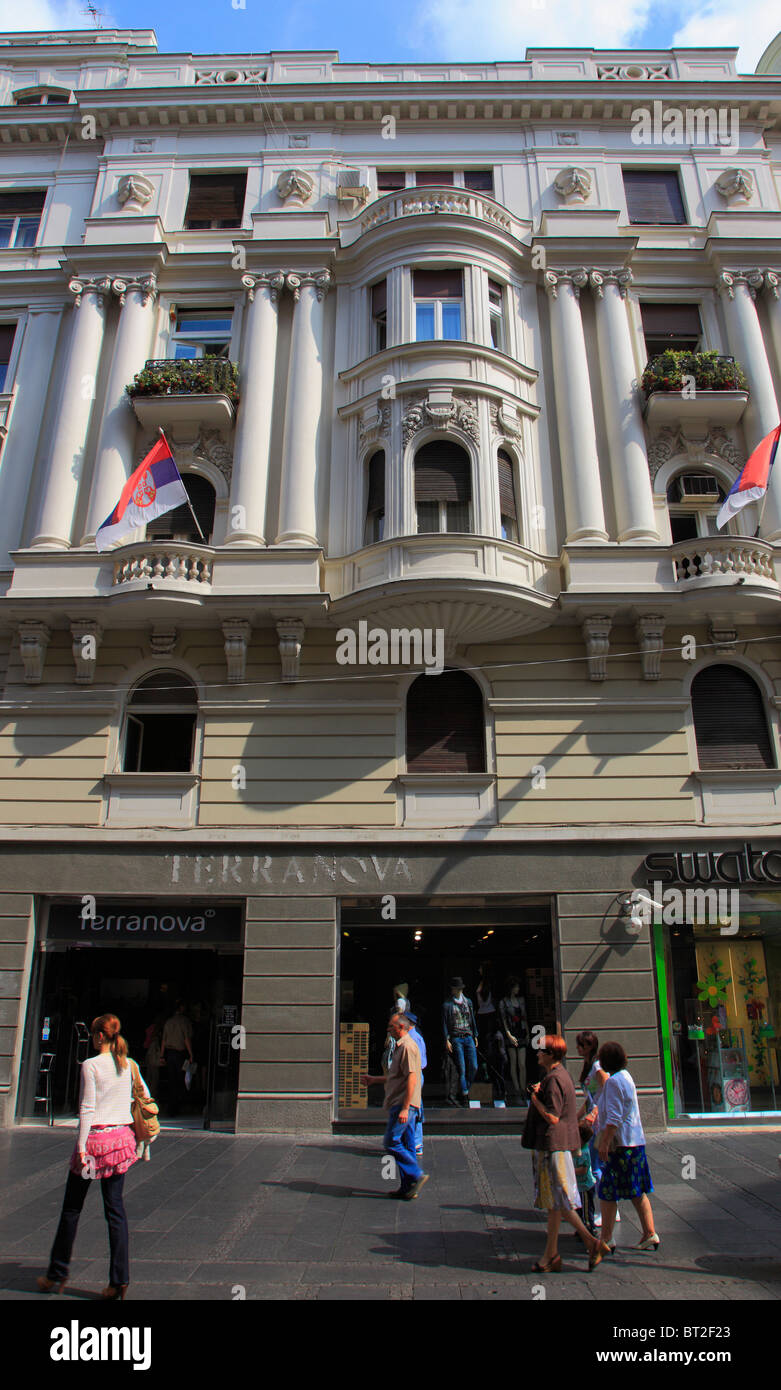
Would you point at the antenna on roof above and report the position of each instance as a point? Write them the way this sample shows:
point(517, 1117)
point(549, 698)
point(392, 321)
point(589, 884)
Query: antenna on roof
point(96, 14)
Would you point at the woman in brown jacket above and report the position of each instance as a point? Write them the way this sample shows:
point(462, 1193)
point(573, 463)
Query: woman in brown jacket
point(552, 1132)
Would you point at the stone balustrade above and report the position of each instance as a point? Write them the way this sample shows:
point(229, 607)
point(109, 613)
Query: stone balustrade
point(713, 557)
point(415, 201)
point(192, 566)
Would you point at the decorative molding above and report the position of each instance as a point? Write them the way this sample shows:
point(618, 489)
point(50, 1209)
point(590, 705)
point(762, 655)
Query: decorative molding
point(163, 640)
point(672, 441)
point(135, 191)
point(273, 281)
point(443, 408)
point(573, 184)
point(236, 632)
point(99, 287)
point(290, 632)
point(373, 425)
point(736, 185)
point(553, 278)
point(724, 639)
point(320, 279)
point(85, 665)
point(228, 77)
point(599, 278)
point(650, 635)
point(772, 281)
point(296, 186)
point(596, 635)
point(144, 146)
point(728, 279)
point(505, 420)
point(145, 286)
point(634, 72)
point(34, 638)
point(207, 447)
point(567, 137)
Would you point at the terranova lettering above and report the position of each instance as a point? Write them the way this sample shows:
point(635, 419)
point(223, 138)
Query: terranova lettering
point(76, 1343)
point(152, 922)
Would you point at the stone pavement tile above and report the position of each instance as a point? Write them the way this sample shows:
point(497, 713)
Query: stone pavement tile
point(349, 1293)
point(385, 1273)
point(246, 1272)
point(680, 1291)
point(436, 1292)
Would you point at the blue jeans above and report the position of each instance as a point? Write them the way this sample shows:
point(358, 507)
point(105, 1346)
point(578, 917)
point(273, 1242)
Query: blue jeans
point(114, 1211)
point(400, 1142)
point(419, 1129)
point(465, 1057)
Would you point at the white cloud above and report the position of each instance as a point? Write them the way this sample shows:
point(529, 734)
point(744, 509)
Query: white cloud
point(722, 24)
point(46, 15)
point(481, 30)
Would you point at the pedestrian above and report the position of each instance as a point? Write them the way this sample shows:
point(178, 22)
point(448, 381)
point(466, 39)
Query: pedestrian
point(592, 1079)
point(417, 1037)
point(585, 1178)
point(106, 1149)
point(175, 1048)
point(402, 1102)
point(551, 1131)
point(460, 1029)
point(621, 1147)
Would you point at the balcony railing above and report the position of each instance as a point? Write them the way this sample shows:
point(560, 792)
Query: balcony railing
point(164, 562)
point(187, 376)
point(410, 202)
point(718, 557)
point(673, 371)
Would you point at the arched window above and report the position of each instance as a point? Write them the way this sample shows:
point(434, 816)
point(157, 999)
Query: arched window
point(42, 96)
point(507, 506)
point(729, 720)
point(443, 487)
point(374, 529)
point(445, 725)
point(178, 524)
point(693, 501)
point(160, 724)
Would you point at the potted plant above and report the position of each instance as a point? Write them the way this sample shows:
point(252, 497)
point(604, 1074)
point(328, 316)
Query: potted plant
point(710, 370)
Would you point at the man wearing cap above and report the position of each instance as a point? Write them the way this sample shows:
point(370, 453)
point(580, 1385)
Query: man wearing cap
point(460, 1028)
point(402, 1102)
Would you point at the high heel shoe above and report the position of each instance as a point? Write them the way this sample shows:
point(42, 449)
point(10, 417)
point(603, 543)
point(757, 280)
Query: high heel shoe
point(45, 1285)
point(598, 1252)
point(553, 1268)
point(114, 1291)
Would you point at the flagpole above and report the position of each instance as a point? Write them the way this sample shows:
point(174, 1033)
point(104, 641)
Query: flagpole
point(189, 503)
point(767, 489)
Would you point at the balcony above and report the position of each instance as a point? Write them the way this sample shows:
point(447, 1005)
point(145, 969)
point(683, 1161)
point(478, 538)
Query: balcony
point(446, 201)
point(721, 560)
point(717, 395)
point(142, 564)
point(185, 391)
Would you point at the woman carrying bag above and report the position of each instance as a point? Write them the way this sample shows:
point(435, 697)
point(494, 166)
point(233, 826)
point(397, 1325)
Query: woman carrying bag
point(105, 1149)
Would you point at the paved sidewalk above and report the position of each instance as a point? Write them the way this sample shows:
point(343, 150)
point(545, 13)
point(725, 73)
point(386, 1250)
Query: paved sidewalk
point(275, 1217)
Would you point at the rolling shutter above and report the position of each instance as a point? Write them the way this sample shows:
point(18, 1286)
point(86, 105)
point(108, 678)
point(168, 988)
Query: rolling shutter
point(445, 730)
point(671, 320)
point(7, 331)
point(376, 497)
point(17, 202)
point(437, 284)
point(216, 200)
point(729, 720)
point(442, 473)
point(178, 523)
point(434, 178)
point(379, 298)
point(507, 505)
point(653, 196)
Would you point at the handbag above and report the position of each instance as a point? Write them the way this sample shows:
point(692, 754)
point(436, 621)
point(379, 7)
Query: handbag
point(143, 1109)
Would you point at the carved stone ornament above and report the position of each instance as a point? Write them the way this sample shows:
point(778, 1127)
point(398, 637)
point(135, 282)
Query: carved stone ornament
point(672, 442)
point(443, 409)
point(599, 278)
point(573, 184)
point(596, 635)
point(295, 186)
point(236, 632)
point(163, 640)
point(134, 192)
point(273, 281)
point(208, 446)
point(319, 279)
point(146, 286)
point(34, 638)
point(553, 278)
point(567, 137)
point(736, 185)
point(633, 72)
point(291, 639)
point(86, 640)
point(373, 424)
point(728, 279)
point(228, 77)
point(724, 639)
point(81, 287)
point(506, 421)
point(650, 636)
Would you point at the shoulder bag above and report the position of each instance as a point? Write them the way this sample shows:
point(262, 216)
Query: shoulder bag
point(143, 1109)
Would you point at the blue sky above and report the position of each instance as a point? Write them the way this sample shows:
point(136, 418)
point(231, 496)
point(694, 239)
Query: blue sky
point(421, 30)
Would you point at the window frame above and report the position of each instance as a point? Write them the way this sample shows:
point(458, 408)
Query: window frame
point(498, 316)
point(132, 714)
point(6, 384)
point(215, 174)
point(683, 221)
point(200, 337)
point(768, 711)
point(18, 217)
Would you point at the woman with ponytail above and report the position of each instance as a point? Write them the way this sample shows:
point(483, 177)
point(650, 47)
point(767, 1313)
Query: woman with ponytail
point(105, 1149)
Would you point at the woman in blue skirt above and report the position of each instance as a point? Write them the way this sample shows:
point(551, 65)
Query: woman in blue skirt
point(621, 1148)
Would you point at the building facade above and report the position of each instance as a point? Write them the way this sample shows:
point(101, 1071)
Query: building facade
point(447, 669)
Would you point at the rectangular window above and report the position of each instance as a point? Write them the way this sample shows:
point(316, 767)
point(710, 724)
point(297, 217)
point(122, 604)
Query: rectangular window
point(7, 332)
point(479, 180)
point(388, 179)
point(216, 201)
point(674, 326)
point(434, 178)
point(202, 333)
point(20, 217)
point(379, 316)
point(496, 314)
point(438, 298)
point(653, 196)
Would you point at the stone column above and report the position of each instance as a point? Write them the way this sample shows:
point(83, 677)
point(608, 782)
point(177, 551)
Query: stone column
point(630, 477)
point(298, 505)
point(577, 435)
point(772, 281)
point(33, 375)
point(738, 293)
point(57, 505)
point(398, 329)
point(252, 450)
point(114, 456)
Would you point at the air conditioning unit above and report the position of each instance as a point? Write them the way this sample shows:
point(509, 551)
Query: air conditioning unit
point(349, 188)
point(697, 487)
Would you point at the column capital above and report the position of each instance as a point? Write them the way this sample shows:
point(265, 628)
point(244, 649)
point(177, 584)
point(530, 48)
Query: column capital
point(772, 281)
point(273, 281)
point(146, 286)
point(320, 280)
point(728, 280)
point(599, 278)
point(99, 287)
point(576, 278)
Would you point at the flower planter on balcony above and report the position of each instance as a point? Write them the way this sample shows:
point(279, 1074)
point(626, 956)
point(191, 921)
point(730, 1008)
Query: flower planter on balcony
point(718, 394)
point(183, 391)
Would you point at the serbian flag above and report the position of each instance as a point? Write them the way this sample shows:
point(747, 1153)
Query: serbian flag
point(753, 481)
point(154, 488)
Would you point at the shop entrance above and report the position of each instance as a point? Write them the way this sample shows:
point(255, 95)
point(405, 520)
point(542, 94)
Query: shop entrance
point(488, 942)
point(74, 982)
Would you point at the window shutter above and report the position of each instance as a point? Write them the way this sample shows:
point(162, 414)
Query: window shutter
point(445, 730)
point(653, 196)
point(442, 473)
point(179, 522)
point(673, 320)
point(438, 284)
point(434, 178)
point(376, 498)
point(379, 298)
point(19, 202)
point(479, 180)
point(7, 331)
point(216, 198)
point(506, 486)
point(388, 179)
point(729, 720)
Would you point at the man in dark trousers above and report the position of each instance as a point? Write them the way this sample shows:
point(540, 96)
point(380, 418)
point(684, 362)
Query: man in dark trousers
point(176, 1045)
point(402, 1102)
point(460, 1028)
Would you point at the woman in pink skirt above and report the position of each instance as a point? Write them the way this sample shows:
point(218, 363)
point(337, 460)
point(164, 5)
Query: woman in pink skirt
point(105, 1149)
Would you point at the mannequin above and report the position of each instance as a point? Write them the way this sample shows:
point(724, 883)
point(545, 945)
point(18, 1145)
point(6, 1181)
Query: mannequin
point(460, 1029)
point(512, 1012)
point(401, 1005)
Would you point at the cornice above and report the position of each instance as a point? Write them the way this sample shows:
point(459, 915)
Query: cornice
point(449, 349)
